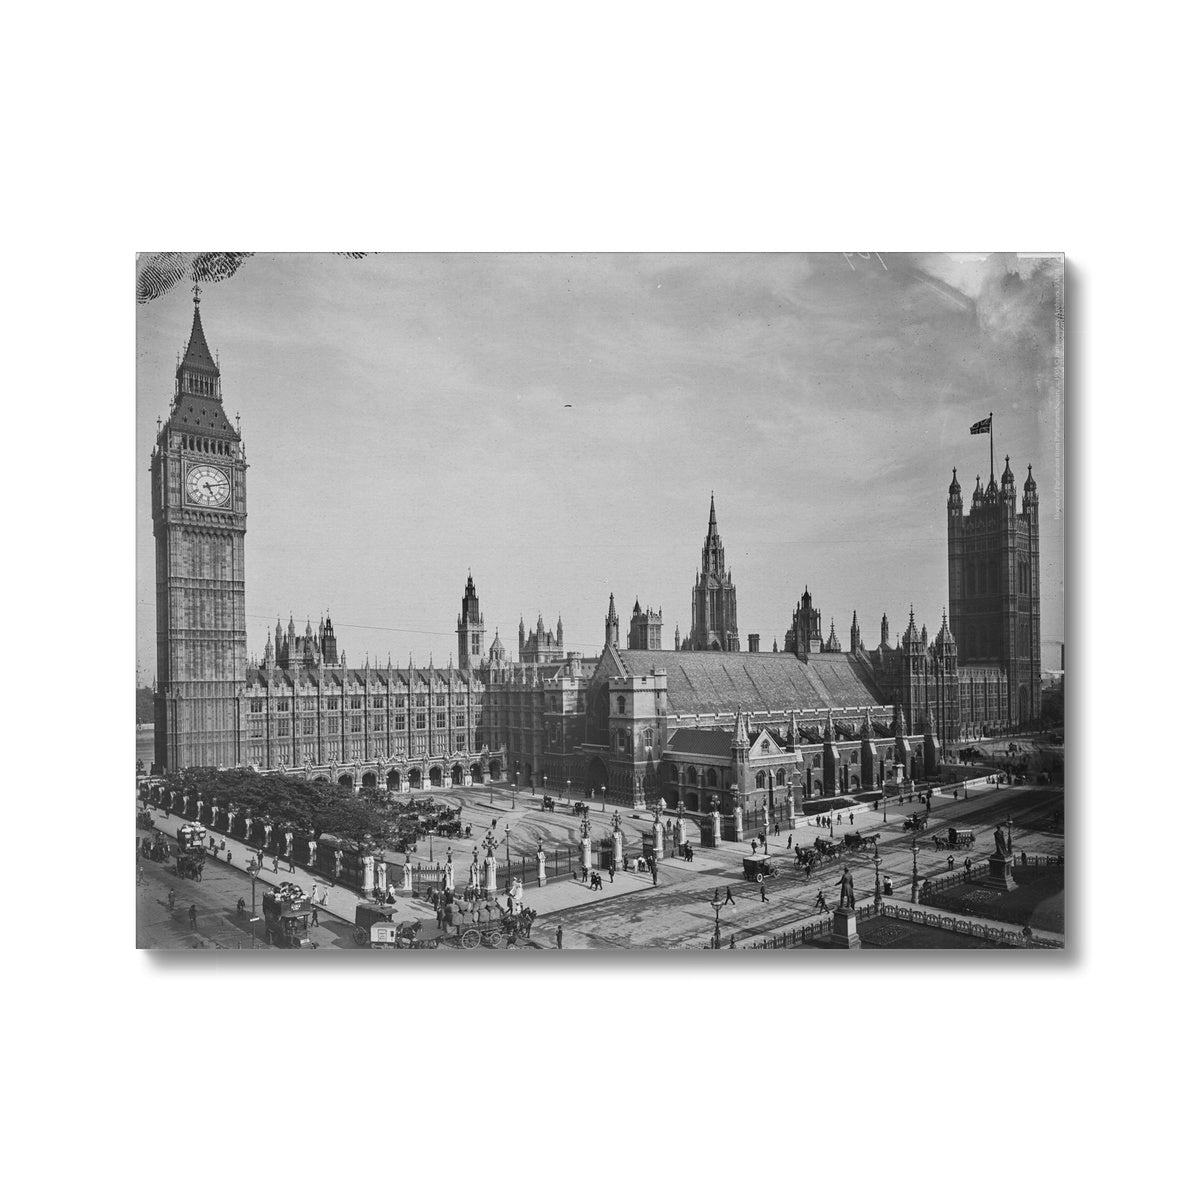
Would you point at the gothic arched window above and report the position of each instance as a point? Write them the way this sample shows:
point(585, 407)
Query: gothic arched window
point(711, 778)
point(760, 780)
point(621, 705)
point(691, 774)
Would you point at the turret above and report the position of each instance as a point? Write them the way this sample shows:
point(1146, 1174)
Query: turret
point(612, 627)
point(855, 634)
point(676, 637)
point(884, 640)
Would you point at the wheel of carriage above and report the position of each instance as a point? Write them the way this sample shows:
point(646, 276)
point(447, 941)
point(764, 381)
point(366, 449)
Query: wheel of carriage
point(491, 938)
point(758, 878)
point(470, 939)
point(360, 935)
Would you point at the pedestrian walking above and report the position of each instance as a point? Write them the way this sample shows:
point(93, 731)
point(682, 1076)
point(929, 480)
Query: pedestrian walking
point(950, 863)
point(776, 828)
point(171, 899)
point(851, 818)
point(192, 916)
point(229, 857)
point(789, 845)
point(729, 896)
point(558, 937)
point(821, 905)
point(612, 873)
point(839, 818)
point(291, 864)
point(808, 870)
point(762, 891)
point(275, 863)
point(222, 845)
point(315, 921)
point(142, 873)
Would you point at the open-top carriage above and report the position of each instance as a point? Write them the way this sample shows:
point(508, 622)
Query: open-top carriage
point(916, 822)
point(288, 913)
point(860, 841)
point(580, 808)
point(547, 804)
point(808, 856)
point(189, 863)
point(826, 848)
point(468, 923)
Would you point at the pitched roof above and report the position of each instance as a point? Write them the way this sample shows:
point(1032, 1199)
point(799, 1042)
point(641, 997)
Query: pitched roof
point(715, 680)
point(197, 355)
point(715, 743)
point(202, 414)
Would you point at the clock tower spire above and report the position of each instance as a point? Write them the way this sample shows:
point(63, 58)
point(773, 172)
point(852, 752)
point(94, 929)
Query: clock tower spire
point(198, 488)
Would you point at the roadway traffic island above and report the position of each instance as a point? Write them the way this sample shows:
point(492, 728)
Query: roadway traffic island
point(1000, 873)
point(845, 930)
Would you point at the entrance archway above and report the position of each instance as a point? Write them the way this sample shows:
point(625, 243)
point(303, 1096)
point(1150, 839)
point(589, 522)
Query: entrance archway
point(320, 779)
point(494, 769)
point(370, 781)
point(597, 775)
point(393, 780)
point(346, 781)
point(435, 777)
point(414, 779)
point(456, 775)
point(477, 772)
point(692, 802)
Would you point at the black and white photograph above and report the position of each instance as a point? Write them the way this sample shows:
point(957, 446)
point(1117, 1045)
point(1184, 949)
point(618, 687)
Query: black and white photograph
point(600, 602)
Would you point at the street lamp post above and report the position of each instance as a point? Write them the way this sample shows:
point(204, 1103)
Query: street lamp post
point(914, 871)
point(603, 796)
point(253, 869)
point(516, 786)
point(717, 904)
point(1010, 823)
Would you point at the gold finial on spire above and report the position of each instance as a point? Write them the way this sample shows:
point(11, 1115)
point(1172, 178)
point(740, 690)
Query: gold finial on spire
point(196, 293)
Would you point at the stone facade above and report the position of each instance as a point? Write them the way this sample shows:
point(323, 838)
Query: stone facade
point(198, 488)
point(714, 598)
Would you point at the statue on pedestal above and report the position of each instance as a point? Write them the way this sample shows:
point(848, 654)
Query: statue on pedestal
point(1001, 847)
point(847, 897)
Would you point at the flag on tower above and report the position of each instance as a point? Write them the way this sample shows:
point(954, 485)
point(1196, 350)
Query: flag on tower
point(984, 426)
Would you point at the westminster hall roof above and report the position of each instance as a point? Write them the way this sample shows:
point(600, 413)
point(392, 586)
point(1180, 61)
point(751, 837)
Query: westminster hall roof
point(718, 681)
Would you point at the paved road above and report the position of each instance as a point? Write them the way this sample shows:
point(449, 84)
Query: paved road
point(632, 912)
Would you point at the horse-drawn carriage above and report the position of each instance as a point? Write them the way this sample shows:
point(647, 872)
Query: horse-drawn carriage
point(828, 849)
point(962, 838)
point(145, 819)
point(288, 913)
point(449, 827)
point(916, 822)
point(547, 804)
point(860, 841)
point(466, 924)
point(156, 849)
point(580, 808)
point(807, 857)
point(189, 863)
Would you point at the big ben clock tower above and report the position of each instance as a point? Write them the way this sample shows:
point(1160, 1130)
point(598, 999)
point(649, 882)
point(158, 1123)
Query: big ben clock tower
point(198, 481)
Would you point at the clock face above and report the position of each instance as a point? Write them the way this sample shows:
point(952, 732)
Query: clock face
point(208, 487)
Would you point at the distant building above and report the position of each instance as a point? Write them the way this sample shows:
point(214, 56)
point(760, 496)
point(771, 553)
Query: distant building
point(714, 598)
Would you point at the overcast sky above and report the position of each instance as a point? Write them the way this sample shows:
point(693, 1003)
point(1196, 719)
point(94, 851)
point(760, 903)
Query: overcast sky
point(556, 423)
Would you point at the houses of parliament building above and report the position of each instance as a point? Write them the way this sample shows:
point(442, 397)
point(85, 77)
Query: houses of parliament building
point(688, 723)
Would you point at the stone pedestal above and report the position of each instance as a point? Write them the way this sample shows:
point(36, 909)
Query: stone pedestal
point(618, 849)
point(715, 817)
point(789, 811)
point(845, 929)
point(406, 885)
point(368, 875)
point(585, 850)
point(541, 862)
point(489, 877)
point(999, 877)
point(737, 823)
point(658, 839)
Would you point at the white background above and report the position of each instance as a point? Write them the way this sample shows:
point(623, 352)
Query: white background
point(699, 127)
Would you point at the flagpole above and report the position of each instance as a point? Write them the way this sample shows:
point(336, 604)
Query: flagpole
point(991, 447)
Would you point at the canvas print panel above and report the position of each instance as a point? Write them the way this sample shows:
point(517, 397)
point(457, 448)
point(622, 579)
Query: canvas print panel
point(600, 602)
